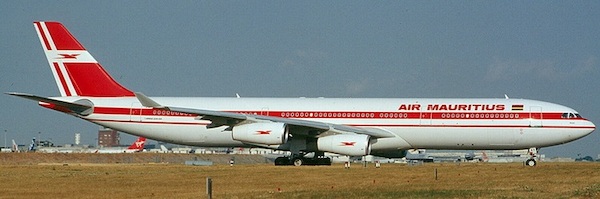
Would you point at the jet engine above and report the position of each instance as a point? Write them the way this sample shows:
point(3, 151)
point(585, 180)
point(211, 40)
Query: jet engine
point(346, 144)
point(261, 133)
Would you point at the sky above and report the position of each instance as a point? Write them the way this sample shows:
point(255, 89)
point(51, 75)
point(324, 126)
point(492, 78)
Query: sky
point(394, 49)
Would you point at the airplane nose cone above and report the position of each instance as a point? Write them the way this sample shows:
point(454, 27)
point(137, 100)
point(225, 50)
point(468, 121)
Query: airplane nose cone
point(589, 126)
point(577, 129)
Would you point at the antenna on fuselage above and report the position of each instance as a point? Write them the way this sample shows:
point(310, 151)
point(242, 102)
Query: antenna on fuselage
point(506, 96)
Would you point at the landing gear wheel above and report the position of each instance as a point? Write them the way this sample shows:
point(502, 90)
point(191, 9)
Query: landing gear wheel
point(298, 161)
point(530, 162)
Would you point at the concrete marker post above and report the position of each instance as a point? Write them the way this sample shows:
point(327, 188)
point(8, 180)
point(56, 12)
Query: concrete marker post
point(209, 187)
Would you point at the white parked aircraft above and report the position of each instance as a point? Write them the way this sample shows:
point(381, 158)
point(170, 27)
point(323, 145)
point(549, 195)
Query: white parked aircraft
point(355, 127)
point(15, 147)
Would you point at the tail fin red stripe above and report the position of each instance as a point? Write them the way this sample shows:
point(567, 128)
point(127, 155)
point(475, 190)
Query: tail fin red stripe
point(63, 82)
point(75, 70)
point(89, 79)
point(43, 35)
point(63, 40)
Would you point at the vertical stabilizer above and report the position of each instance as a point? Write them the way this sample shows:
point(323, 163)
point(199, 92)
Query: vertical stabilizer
point(15, 147)
point(33, 145)
point(76, 72)
point(138, 145)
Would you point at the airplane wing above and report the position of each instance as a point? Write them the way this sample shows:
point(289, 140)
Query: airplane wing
point(221, 118)
point(81, 107)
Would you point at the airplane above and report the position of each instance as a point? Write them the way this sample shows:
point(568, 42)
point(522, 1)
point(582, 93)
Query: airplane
point(484, 157)
point(163, 149)
point(383, 127)
point(15, 147)
point(33, 146)
point(136, 146)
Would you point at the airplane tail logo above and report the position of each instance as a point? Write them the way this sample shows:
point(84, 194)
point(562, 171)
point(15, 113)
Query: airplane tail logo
point(33, 145)
point(76, 72)
point(15, 147)
point(138, 144)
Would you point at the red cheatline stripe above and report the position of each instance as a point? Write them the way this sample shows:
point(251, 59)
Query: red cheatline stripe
point(151, 122)
point(111, 110)
point(354, 115)
point(366, 125)
point(41, 30)
point(344, 115)
point(61, 78)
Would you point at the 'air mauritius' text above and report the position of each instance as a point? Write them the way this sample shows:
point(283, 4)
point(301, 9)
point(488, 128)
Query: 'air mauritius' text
point(453, 107)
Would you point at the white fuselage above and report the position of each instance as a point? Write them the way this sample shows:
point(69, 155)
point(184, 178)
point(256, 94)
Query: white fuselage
point(415, 123)
point(342, 125)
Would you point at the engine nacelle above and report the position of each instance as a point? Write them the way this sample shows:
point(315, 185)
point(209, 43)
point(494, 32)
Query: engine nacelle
point(345, 144)
point(261, 133)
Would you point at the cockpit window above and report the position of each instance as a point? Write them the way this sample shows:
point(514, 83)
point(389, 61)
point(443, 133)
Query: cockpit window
point(570, 115)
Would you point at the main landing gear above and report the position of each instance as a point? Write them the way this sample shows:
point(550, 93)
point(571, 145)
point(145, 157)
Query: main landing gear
point(299, 160)
point(532, 155)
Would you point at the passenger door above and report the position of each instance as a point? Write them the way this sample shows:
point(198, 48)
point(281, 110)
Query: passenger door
point(135, 113)
point(535, 113)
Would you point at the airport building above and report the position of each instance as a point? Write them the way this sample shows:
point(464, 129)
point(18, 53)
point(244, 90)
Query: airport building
point(108, 137)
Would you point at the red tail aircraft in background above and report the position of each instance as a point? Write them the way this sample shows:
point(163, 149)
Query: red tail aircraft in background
point(136, 146)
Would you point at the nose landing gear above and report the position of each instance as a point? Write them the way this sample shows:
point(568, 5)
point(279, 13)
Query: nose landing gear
point(532, 156)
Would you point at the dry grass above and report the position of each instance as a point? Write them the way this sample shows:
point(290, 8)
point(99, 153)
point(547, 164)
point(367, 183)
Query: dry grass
point(467, 180)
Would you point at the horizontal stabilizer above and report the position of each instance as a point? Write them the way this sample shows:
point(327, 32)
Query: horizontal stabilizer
point(81, 107)
point(147, 102)
point(218, 118)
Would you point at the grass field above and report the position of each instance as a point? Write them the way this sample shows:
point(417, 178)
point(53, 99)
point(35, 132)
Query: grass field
point(466, 180)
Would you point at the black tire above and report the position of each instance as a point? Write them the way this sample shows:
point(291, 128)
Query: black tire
point(298, 162)
point(531, 162)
